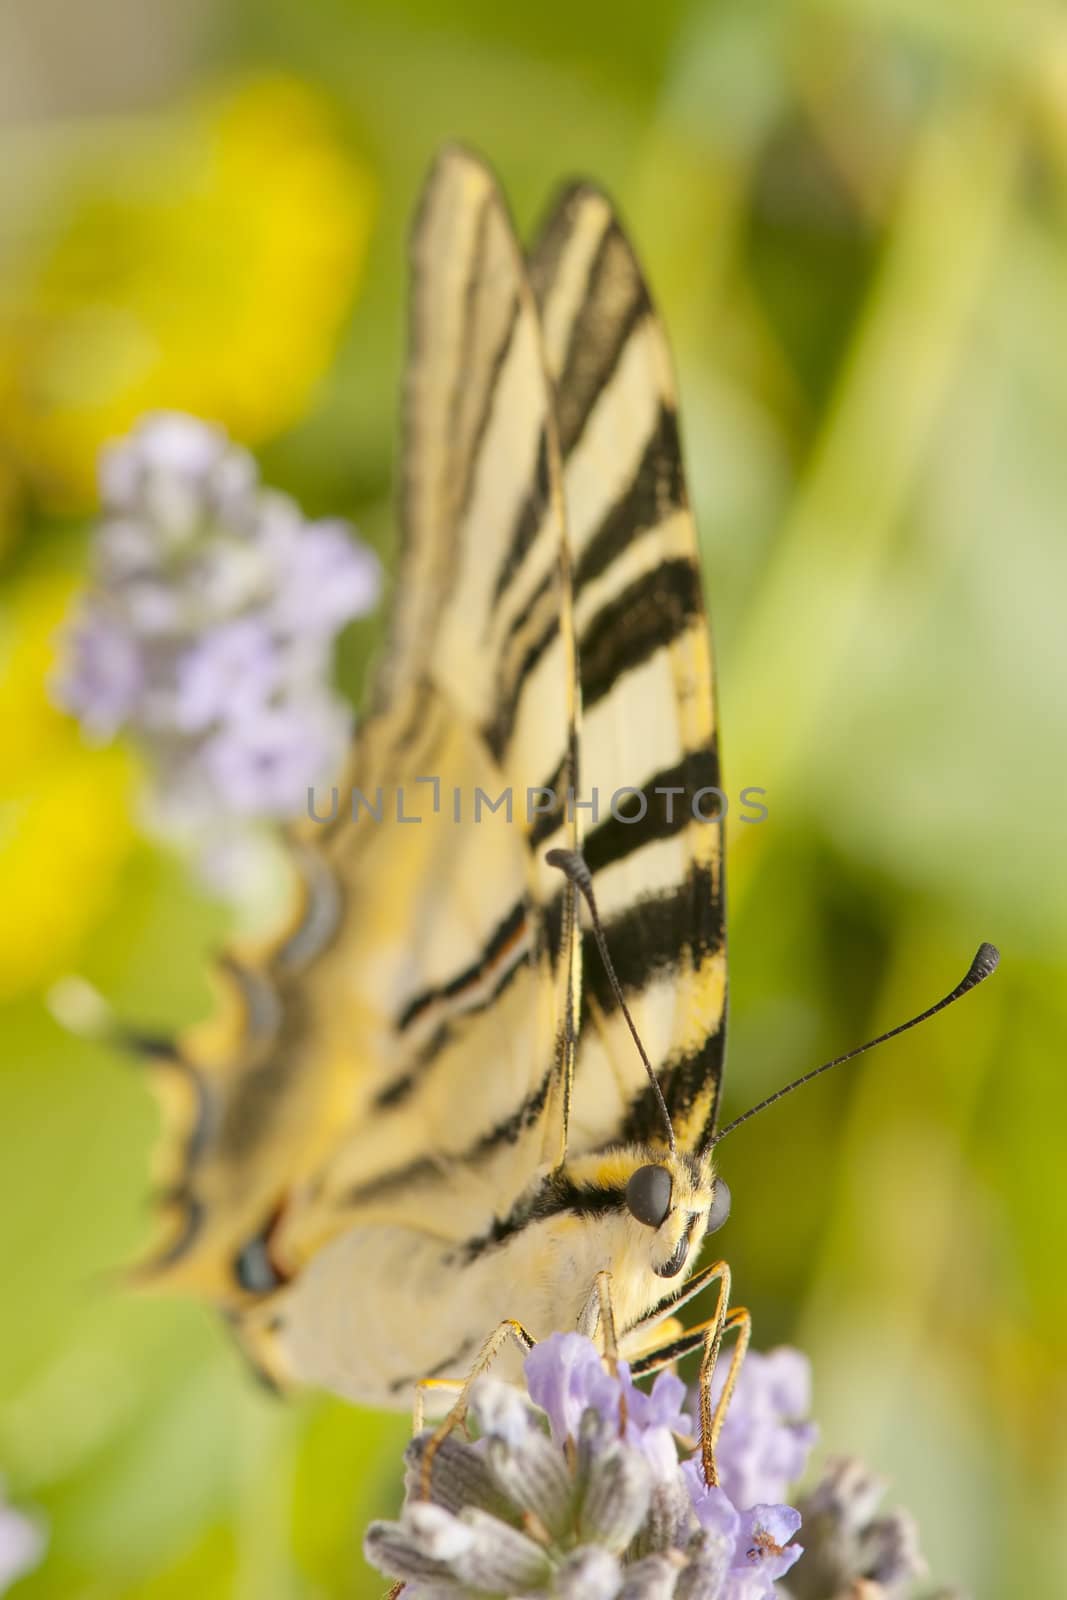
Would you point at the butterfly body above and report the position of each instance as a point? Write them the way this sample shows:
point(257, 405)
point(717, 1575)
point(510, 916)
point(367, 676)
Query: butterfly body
point(348, 1323)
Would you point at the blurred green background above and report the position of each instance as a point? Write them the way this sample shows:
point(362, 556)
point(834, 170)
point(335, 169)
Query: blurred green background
point(854, 216)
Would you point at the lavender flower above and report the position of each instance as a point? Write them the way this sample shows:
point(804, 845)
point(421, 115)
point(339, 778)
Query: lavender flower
point(103, 681)
point(578, 1491)
point(207, 633)
point(853, 1550)
point(21, 1544)
point(575, 1491)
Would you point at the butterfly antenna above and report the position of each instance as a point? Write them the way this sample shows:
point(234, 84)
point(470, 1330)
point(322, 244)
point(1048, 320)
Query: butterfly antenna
point(573, 867)
point(982, 967)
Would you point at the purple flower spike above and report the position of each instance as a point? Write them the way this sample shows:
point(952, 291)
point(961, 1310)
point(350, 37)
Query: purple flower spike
point(566, 1377)
point(173, 471)
point(227, 674)
point(714, 1509)
point(208, 637)
point(262, 765)
point(662, 1408)
point(103, 673)
point(324, 580)
point(555, 1500)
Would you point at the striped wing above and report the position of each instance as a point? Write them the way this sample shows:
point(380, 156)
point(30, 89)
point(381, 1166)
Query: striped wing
point(404, 1053)
point(648, 722)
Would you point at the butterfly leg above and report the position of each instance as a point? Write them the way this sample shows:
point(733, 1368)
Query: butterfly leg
point(599, 1313)
point(711, 1421)
point(509, 1329)
point(706, 1337)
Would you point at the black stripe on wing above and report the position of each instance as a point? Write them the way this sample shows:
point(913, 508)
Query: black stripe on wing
point(684, 1082)
point(613, 304)
point(660, 808)
point(558, 1195)
point(401, 1088)
point(470, 328)
point(531, 515)
point(655, 490)
point(504, 935)
point(496, 368)
point(612, 301)
point(644, 939)
point(424, 1169)
point(498, 731)
point(648, 616)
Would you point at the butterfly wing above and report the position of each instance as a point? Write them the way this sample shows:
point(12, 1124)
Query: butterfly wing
point(404, 1051)
point(648, 718)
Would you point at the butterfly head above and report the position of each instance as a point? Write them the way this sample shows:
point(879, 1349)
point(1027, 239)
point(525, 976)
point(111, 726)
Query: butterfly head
point(678, 1201)
point(665, 1200)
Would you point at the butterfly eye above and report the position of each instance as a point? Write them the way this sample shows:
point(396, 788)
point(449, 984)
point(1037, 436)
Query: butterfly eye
point(720, 1205)
point(648, 1195)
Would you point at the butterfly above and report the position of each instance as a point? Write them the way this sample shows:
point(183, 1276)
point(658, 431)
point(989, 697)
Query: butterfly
point(469, 1096)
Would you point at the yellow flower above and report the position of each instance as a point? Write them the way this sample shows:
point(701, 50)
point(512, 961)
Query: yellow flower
point(65, 827)
point(203, 260)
